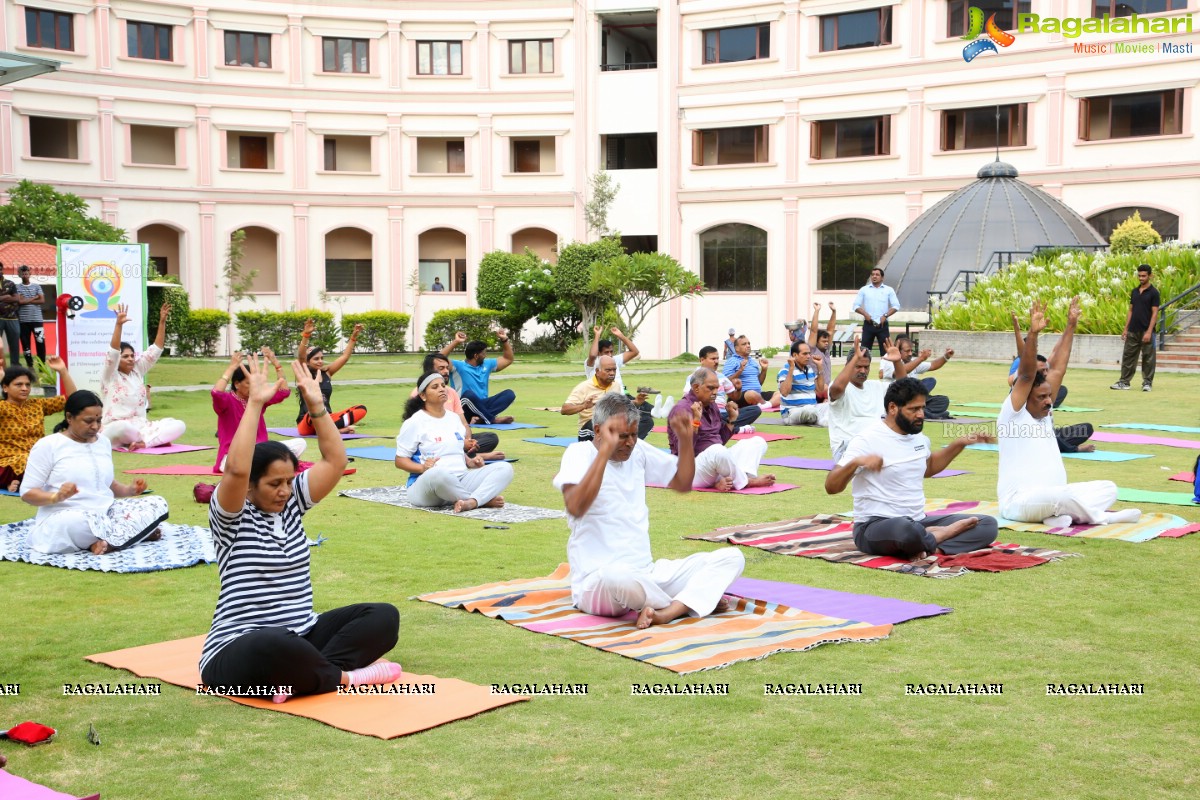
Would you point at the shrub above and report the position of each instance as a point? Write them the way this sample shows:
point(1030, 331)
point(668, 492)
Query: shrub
point(383, 331)
point(477, 323)
point(573, 276)
point(178, 324)
point(498, 272)
point(201, 332)
point(280, 330)
point(1133, 234)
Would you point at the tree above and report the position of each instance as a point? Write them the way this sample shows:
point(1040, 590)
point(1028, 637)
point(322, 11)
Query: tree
point(1133, 234)
point(496, 283)
point(573, 276)
point(37, 212)
point(533, 295)
point(595, 211)
point(641, 282)
point(238, 280)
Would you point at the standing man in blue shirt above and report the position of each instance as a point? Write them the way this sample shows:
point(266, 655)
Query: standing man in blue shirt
point(470, 379)
point(876, 302)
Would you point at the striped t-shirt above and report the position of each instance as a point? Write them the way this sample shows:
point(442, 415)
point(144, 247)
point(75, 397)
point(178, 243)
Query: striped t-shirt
point(804, 387)
point(263, 563)
point(30, 312)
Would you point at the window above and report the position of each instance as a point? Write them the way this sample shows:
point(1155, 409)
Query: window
point(147, 40)
point(439, 58)
point(856, 29)
point(440, 156)
point(347, 153)
point(530, 56)
point(958, 11)
point(344, 55)
point(1127, 116)
point(850, 249)
point(152, 144)
point(642, 243)
point(977, 128)
point(533, 155)
point(1125, 8)
point(348, 275)
point(848, 138)
point(630, 151)
point(1166, 223)
point(50, 29)
point(743, 43)
point(250, 150)
point(734, 258)
point(247, 49)
point(51, 137)
point(745, 145)
point(628, 40)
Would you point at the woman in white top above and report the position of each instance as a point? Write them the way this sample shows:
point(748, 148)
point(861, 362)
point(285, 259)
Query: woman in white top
point(69, 478)
point(430, 447)
point(126, 397)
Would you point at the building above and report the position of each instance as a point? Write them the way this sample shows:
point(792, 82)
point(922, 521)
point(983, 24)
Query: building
point(776, 148)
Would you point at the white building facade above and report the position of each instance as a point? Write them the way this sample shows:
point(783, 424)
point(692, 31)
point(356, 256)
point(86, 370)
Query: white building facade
point(775, 148)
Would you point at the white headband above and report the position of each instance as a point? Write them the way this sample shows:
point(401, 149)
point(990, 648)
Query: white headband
point(430, 378)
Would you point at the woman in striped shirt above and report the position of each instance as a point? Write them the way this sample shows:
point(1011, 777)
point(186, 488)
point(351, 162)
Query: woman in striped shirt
point(265, 637)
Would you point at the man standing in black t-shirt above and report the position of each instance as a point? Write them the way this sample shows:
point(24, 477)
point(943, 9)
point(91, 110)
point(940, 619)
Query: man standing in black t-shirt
point(1139, 331)
point(10, 327)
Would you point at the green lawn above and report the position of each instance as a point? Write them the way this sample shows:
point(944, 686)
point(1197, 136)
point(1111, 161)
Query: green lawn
point(1120, 614)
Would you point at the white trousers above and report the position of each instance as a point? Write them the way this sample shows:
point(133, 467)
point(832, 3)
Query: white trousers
point(440, 486)
point(154, 433)
point(127, 522)
point(697, 581)
point(807, 415)
point(297, 446)
point(1086, 503)
point(739, 462)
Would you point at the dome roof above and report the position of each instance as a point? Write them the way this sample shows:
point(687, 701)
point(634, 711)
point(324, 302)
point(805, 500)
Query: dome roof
point(962, 231)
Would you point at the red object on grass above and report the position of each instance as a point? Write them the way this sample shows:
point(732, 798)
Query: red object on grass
point(31, 733)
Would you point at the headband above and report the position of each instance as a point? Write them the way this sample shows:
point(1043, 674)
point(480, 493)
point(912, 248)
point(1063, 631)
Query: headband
point(428, 380)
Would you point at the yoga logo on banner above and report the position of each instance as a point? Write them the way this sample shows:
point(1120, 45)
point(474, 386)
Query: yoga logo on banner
point(992, 36)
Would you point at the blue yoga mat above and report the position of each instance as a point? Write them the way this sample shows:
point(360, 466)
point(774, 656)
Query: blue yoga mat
point(554, 441)
point(1098, 455)
point(382, 452)
point(508, 426)
point(1147, 426)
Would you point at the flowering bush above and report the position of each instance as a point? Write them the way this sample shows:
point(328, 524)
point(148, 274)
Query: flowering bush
point(1101, 280)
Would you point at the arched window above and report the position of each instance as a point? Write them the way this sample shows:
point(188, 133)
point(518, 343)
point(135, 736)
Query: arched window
point(260, 251)
point(348, 266)
point(1166, 223)
point(849, 249)
point(734, 258)
point(442, 260)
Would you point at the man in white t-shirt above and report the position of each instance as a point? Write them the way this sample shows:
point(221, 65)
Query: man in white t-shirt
point(854, 401)
point(886, 466)
point(604, 488)
point(1033, 480)
point(917, 365)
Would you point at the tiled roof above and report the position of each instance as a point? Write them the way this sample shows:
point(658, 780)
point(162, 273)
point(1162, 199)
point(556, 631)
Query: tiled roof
point(41, 258)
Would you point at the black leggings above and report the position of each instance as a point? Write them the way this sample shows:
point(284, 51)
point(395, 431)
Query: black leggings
point(343, 639)
point(902, 537)
point(33, 331)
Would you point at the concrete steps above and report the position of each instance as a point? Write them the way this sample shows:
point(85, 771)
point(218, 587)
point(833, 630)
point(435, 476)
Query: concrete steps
point(1182, 351)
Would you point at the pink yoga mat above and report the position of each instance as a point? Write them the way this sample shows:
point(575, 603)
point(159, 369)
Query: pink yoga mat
point(1175, 533)
point(1186, 477)
point(165, 450)
point(13, 787)
point(1137, 438)
point(200, 469)
point(772, 489)
point(770, 437)
point(295, 432)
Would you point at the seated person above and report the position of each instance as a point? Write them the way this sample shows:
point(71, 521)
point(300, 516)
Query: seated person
point(1070, 438)
point(231, 405)
point(80, 506)
point(886, 465)
point(604, 347)
point(583, 397)
point(746, 374)
point(23, 418)
point(746, 415)
point(314, 359)
point(917, 364)
point(264, 631)
point(799, 384)
point(821, 341)
point(477, 444)
point(604, 489)
point(430, 448)
point(721, 468)
point(126, 396)
point(855, 403)
point(471, 379)
point(1033, 479)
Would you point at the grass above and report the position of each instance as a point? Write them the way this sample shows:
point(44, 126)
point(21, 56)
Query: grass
point(1123, 613)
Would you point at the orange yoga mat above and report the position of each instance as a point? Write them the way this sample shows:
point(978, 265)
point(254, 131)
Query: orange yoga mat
point(385, 716)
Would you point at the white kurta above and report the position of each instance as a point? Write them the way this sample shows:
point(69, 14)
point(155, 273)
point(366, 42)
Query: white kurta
point(126, 399)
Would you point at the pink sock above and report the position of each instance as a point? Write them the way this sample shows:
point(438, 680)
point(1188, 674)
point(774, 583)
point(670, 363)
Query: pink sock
point(379, 672)
point(281, 698)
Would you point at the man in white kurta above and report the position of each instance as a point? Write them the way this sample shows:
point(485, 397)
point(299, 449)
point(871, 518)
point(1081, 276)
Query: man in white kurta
point(1033, 480)
point(604, 488)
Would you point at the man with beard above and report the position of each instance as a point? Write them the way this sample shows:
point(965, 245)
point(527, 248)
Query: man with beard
point(886, 465)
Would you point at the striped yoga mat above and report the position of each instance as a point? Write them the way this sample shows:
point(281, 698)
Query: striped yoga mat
point(1150, 526)
point(750, 630)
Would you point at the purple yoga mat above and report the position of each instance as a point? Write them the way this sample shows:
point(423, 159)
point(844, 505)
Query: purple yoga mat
point(795, 462)
point(1137, 438)
point(165, 450)
point(842, 605)
point(294, 432)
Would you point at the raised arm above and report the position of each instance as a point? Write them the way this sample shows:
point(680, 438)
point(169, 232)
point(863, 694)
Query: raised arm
point(460, 338)
point(506, 357)
point(222, 383)
point(631, 351)
point(122, 318)
point(815, 358)
point(1028, 366)
point(838, 387)
point(940, 459)
point(341, 360)
point(578, 497)
point(325, 474)
point(812, 326)
point(594, 352)
point(231, 491)
point(160, 338)
point(56, 363)
point(892, 353)
point(831, 326)
point(940, 361)
point(1061, 355)
point(305, 336)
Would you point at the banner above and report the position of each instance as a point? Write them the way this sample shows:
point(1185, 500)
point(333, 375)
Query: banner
point(103, 274)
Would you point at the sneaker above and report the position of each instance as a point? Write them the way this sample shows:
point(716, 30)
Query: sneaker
point(1119, 385)
point(1145, 387)
point(746, 429)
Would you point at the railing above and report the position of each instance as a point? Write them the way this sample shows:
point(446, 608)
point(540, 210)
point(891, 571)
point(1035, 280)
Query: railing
point(1184, 312)
point(630, 65)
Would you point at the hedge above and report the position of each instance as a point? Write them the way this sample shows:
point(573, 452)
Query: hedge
point(280, 330)
point(383, 331)
point(201, 332)
point(477, 323)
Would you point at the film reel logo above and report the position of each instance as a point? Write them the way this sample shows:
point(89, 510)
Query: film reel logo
point(992, 36)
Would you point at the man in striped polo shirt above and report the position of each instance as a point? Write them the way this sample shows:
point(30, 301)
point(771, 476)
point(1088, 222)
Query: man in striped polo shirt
point(799, 384)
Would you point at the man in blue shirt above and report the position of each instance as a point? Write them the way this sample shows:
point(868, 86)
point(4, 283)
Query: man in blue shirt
point(799, 384)
point(470, 379)
point(746, 374)
point(876, 302)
